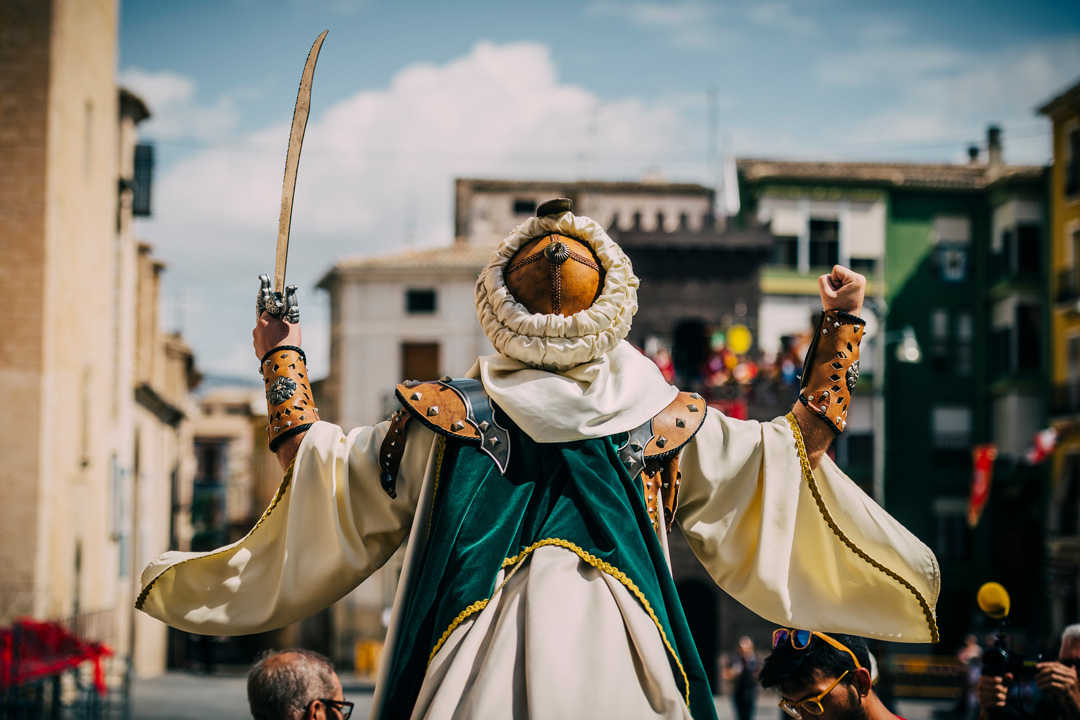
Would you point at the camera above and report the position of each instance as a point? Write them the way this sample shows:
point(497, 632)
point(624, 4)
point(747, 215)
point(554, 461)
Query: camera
point(1024, 696)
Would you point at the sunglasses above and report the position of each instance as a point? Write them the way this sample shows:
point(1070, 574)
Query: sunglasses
point(800, 640)
point(343, 708)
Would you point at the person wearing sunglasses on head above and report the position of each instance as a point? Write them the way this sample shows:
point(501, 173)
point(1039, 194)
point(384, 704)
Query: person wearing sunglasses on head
point(823, 676)
point(296, 685)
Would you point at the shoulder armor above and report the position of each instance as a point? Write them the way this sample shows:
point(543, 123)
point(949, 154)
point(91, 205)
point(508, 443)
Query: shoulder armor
point(664, 435)
point(652, 451)
point(675, 425)
point(452, 407)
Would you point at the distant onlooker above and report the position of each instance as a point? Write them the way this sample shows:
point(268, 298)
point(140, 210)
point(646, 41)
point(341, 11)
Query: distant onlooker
point(1057, 681)
point(742, 672)
point(822, 676)
point(296, 685)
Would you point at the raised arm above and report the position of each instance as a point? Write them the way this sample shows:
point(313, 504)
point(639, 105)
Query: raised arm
point(832, 362)
point(269, 333)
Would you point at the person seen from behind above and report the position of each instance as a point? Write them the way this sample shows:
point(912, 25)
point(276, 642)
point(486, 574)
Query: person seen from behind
point(296, 685)
point(742, 673)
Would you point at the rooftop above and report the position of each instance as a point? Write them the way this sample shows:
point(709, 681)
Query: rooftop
point(907, 175)
point(1068, 99)
point(460, 256)
point(585, 186)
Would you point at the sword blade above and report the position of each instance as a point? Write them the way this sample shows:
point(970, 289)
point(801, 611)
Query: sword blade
point(292, 161)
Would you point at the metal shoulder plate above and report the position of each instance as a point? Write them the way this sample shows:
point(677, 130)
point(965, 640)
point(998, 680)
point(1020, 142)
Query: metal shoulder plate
point(458, 408)
point(665, 434)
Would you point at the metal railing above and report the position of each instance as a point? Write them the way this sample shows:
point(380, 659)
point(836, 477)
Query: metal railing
point(1068, 285)
point(1065, 398)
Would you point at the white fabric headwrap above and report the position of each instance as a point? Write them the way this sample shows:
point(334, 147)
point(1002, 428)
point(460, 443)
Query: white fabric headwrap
point(553, 341)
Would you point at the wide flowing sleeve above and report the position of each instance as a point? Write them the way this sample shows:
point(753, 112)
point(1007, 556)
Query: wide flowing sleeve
point(329, 526)
point(801, 548)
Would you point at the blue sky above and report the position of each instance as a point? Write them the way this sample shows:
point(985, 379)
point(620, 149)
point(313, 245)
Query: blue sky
point(408, 95)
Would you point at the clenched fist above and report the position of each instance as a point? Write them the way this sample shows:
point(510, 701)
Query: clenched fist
point(842, 289)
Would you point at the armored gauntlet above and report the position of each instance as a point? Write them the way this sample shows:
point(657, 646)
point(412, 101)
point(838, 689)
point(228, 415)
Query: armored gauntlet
point(832, 367)
point(290, 407)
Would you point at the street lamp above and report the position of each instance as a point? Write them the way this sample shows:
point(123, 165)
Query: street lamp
point(907, 350)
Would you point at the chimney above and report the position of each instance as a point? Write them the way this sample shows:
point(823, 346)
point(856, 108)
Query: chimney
point(993, 145)
point(973, 154)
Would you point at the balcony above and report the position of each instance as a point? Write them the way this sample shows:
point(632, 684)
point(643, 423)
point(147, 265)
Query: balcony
point(1065, 398)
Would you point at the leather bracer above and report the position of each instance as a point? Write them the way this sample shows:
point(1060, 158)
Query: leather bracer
point(290, 407)
point(832, 367)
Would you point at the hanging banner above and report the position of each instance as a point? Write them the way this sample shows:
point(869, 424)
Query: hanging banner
point(983, 456)
point(1042, 446)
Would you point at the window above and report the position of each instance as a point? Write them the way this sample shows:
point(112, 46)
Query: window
point(419, 360)
point(144, 170)
point(953, 537)
point(637, 221)
point(964, 335)
point(659, 222)
point(614, 224)
point(1028, 249)
point(951, 427)
point(1027, 337)
point(939, 335)
point(684, 221)
point(524, 206)
point(952, 261)
point(420, 301)
point(786, 251)
point(864, 266)
point(1072, 168)
point(824, 243)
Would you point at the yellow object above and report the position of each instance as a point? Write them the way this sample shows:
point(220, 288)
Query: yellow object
point(993, 600)
point(739, 339)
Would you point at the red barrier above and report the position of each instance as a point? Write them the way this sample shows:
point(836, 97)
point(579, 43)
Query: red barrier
point(32, 650)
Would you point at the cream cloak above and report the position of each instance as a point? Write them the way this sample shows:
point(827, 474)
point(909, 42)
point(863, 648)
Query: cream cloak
point(800, 548)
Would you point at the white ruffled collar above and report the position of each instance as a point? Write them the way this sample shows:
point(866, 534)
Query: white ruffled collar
point(554, 341)
point(614, 393)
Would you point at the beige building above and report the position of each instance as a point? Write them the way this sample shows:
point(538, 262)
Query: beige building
point(95, 393)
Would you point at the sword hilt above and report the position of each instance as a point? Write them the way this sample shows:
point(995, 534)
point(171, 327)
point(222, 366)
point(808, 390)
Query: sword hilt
point(285, 306)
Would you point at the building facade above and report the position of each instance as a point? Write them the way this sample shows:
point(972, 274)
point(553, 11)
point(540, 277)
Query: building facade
point(1063, 514)
point(955, 258)
point(101, 392)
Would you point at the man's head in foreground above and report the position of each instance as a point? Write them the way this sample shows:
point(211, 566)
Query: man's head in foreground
point(822, 675)
point(295, 685)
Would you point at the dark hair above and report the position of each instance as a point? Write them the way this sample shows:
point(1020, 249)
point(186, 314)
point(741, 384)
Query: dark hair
point(787, 665)
point(282, 684)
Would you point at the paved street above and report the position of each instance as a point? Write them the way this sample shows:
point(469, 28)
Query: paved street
point(189, 696)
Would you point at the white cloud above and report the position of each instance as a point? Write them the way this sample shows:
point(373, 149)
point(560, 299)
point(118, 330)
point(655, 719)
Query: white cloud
point(780, 16)
point(376, 175)
point(941, 95)
point(174, 111)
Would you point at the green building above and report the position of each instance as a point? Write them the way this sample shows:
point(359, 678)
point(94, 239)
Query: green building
point(957, 261)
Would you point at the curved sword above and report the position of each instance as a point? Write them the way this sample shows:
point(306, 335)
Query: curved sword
point(292, 162)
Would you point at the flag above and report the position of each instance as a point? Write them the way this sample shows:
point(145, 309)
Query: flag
point(729, 198)
point(983, 456)
point(1042, 446)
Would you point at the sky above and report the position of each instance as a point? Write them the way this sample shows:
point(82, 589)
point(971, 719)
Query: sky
point(409, 95)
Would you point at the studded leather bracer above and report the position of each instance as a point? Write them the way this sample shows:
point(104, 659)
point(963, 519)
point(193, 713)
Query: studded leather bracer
point(832, 367)
point(290, 407)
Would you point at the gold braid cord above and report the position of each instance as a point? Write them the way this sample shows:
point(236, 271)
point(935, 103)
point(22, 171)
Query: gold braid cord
point(291, 409)
point(832, 367)
point(808, 475)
